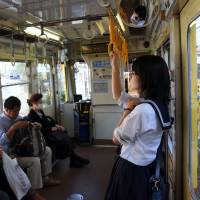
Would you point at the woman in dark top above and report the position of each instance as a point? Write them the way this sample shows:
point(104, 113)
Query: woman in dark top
point(55, 135)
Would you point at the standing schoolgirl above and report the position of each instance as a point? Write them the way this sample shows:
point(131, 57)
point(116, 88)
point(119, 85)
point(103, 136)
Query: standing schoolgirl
point(139, 130)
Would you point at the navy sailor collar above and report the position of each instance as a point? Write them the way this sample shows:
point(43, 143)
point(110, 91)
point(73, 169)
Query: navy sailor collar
point(162, 112)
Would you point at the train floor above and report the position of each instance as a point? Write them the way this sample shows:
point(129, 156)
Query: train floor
point(90, 181)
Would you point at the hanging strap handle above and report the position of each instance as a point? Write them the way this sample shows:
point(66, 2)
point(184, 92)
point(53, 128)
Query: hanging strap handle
point(43, 36)
point(12, 60)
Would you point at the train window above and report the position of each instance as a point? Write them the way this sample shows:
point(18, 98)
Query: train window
point(15, 82)
point(194, 100)
point(61, 73)
point(45, 83)
point(82, 80)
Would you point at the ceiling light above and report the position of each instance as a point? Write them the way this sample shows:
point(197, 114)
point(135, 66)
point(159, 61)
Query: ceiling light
point(36, 31)
point(120, 22)
point(77, 22)
point(100, 27)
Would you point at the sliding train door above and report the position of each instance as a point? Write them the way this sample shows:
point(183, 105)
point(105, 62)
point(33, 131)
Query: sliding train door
point(190, 45)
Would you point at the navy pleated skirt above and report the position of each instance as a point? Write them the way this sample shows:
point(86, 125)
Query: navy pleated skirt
point(128, 181)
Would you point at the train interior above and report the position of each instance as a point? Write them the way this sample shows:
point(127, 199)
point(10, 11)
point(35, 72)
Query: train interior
point(59, 48)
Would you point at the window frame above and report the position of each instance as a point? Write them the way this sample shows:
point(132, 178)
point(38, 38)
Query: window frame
point(14, 84)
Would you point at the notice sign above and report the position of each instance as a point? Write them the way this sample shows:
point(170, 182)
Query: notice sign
point(100, 87)
point(102, 73)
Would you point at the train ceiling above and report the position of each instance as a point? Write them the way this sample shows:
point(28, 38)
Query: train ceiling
point(72, 20)
point(92, 16)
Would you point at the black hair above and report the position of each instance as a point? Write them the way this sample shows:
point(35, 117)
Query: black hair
point(12, 103)
point(34, 98)
point(154, 77)
point(141, 11)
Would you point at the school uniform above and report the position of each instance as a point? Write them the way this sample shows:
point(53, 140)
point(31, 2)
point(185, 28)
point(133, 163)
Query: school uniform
point(140, 135)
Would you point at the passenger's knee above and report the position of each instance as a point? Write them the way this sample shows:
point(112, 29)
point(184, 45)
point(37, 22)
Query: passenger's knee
point(36, 162)
point(48, 152)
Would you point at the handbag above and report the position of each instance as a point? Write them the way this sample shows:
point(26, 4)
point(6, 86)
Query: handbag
point(28, 142)
point(158, 187)
point(49, 121)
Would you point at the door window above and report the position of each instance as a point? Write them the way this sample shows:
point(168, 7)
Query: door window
point(194, 102)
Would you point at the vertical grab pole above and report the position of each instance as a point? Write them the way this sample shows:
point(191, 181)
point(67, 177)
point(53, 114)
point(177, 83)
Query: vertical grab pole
point(25, 51)
point(36, 54)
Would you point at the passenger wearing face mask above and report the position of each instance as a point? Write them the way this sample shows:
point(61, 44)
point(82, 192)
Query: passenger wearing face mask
point(55, 135)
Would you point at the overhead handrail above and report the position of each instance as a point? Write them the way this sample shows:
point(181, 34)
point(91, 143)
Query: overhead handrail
point(12, 60)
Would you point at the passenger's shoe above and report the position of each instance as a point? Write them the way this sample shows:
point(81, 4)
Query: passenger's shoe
point(51, 182)
point(76, 164)
point(82, 160)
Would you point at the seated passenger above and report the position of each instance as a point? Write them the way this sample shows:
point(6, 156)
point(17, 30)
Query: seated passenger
point(38, 169)
point(55, 135)
point(6, 192)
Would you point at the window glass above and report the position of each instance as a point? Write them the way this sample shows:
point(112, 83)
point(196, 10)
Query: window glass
point(82, 80)
point(19, 91)
point(14, 82)
point(194, 109)
point(13, 75)
point(45, 83)
point(62, 89)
